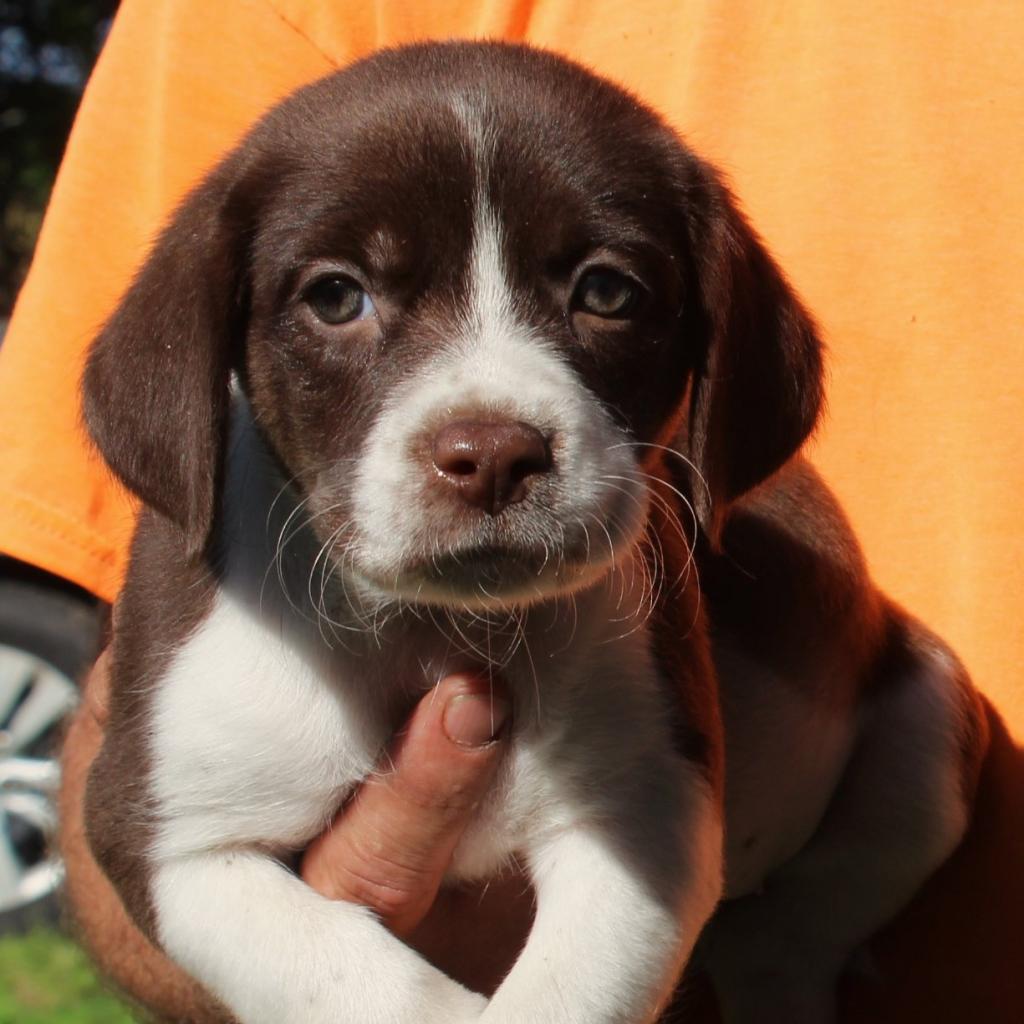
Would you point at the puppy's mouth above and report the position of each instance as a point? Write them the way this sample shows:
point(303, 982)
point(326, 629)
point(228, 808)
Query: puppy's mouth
point(489, 575)
point(493, 574)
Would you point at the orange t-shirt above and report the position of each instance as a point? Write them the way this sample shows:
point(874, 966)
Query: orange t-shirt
point(878, 147)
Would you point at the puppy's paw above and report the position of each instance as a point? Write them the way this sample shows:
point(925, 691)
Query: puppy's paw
point(447, 1002)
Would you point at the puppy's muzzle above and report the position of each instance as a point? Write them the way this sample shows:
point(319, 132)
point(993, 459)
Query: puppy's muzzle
point(490, 464)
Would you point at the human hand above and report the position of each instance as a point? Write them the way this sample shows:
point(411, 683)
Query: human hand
point(390, 847)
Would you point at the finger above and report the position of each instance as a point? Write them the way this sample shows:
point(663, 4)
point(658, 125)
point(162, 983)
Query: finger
point(96, 689)
point(390, 847)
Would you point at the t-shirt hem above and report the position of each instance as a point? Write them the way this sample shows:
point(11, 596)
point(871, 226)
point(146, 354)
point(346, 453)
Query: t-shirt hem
point(32, 532)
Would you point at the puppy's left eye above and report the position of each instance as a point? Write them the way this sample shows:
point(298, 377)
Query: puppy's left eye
point(606, 293)
point(337, 299)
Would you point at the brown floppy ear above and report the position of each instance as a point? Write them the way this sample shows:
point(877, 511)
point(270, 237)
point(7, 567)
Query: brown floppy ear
point(156, 381)
point(757, 388)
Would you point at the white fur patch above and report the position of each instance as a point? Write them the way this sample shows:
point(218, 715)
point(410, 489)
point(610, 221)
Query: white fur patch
point(616, 922)
point(276, 953)
point(255, 742)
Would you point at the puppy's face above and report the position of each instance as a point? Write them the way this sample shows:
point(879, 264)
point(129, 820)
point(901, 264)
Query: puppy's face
point(465, 288)
point(466, 313)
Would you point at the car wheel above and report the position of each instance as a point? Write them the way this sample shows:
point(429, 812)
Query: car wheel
point(48, 637)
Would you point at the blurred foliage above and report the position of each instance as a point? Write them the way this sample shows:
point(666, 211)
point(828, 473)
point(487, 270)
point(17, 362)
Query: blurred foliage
point(46, 979)
point(47, 48)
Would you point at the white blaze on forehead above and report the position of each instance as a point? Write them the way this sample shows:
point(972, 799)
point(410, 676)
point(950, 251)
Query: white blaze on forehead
point(497, 362)
point(489, 305)
point(500, 359)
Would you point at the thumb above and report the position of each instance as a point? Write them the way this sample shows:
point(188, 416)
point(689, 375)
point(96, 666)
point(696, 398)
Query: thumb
point(391, 845)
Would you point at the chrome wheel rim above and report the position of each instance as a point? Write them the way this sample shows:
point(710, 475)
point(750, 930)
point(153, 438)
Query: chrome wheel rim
point(35, 697)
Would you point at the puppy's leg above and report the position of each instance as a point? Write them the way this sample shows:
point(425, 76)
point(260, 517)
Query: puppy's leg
point(620, 903)
point(275, 952)
point(898, 813)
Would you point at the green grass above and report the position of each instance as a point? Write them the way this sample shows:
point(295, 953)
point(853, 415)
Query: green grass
point(46, 979)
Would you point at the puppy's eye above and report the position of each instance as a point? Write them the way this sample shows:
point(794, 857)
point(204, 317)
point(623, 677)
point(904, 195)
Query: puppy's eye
point(337, 299)
point(606, 293)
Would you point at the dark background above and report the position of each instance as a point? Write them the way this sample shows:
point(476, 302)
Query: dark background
point(47, 48)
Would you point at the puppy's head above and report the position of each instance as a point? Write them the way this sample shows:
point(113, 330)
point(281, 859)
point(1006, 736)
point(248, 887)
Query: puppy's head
point(471, 292)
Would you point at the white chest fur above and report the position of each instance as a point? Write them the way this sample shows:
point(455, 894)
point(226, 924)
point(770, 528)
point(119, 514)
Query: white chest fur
point(261, 728)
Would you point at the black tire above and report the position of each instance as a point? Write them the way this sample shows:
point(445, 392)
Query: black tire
point(47, 619)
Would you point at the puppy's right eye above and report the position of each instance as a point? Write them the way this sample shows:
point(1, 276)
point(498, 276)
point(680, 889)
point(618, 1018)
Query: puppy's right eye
point(606, 293)
point(338, 299)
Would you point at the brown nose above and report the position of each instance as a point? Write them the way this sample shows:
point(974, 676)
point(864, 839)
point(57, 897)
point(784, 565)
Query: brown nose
point(490, 463)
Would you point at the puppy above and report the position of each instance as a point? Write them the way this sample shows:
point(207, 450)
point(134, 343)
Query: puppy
point(462, 358)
